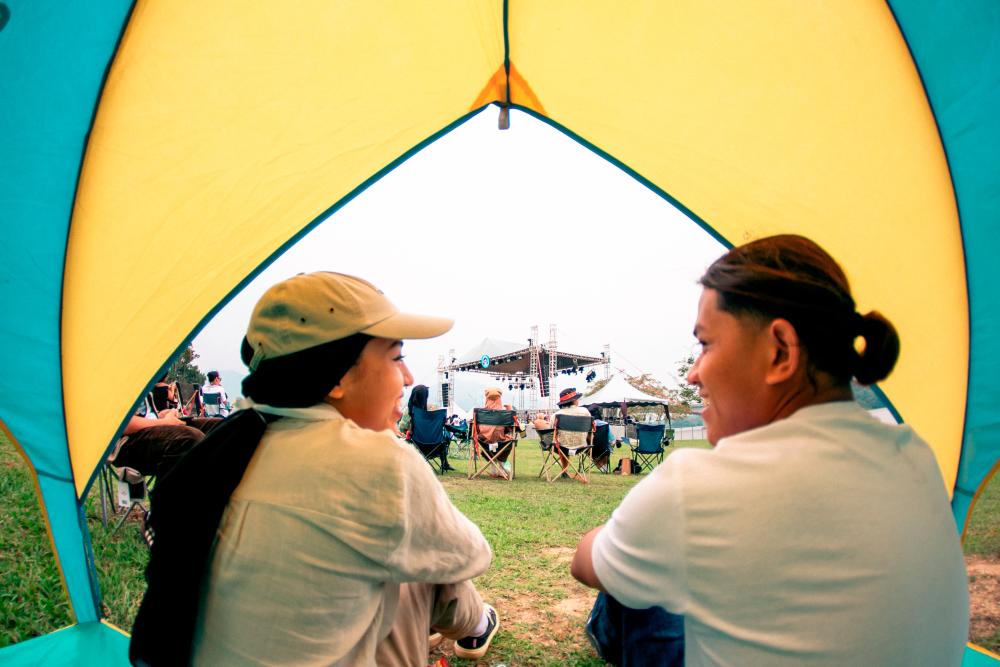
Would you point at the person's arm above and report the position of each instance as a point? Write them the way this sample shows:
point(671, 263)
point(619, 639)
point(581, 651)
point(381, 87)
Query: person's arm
point(438, 544)
point(136, 423)
point(638, 565)
point(582, 567)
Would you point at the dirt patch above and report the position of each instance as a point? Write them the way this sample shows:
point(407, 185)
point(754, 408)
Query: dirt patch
point(559, 554)
point(522, 615)
point(984, 596)
point(576, 606)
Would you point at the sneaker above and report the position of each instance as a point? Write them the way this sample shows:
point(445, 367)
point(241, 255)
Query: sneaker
point(473, 648)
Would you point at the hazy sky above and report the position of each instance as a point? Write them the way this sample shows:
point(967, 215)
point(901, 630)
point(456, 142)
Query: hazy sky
point(501, 230)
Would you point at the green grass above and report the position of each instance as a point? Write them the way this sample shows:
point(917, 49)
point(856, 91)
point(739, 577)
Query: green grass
point(532, 525)
point(982, 533)
point(982, 538)
point(33, 600)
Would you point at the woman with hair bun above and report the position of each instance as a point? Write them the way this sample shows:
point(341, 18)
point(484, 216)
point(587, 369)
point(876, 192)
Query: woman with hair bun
point(812, 534)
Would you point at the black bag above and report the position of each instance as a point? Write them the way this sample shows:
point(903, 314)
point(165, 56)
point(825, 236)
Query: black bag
point(636, 468)
point(186, 507)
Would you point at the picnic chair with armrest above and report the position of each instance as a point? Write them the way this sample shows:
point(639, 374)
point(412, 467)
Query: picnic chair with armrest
point(461, 441)
point(648, 448)
point(569, 424)
point(122, 489)
point(485, 456)
point(428, 435)
point(545, 443)
point(212, 404)
point(601, 449)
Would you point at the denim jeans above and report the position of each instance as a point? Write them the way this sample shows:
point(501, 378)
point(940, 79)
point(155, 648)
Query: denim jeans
point(633, 637)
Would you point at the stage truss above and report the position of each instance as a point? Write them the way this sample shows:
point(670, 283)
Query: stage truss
point(526, 371)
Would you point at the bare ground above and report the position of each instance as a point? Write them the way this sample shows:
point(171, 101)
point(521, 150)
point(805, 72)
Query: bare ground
point(984, 594)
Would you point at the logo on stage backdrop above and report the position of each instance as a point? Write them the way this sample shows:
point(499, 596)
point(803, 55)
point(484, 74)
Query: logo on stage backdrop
point(485, 361)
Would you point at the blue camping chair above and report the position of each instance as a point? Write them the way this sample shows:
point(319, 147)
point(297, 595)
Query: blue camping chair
point(212, 404)
point(428, 435)
point(461, 438)
point(648, 449)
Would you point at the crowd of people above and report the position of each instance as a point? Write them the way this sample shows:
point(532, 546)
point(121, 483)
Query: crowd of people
point(164, 426)
point(810, 534)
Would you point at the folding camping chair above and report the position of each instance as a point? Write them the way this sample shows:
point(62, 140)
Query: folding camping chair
point(569, 424)
point(601, 447)
point(461, 440)
point(545, 442)
point(212, 403)
point(648, 448)
point(484, 456)
point(122, 489)
point(428, 435)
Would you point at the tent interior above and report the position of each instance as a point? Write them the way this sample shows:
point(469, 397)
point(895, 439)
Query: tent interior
point(873, 128)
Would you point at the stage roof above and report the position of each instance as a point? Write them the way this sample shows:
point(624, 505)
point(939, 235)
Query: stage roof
point(513, 359)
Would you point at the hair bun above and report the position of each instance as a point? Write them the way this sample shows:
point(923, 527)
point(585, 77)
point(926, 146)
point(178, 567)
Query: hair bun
point(881, 348)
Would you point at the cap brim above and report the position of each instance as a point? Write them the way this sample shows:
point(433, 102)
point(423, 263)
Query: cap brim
point(406, 326)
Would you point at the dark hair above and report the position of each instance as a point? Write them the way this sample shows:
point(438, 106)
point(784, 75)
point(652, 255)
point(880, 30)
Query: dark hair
point(595, 410)
point(212, 375)
point(302, 378)
point(418, 398)
point(790, 277)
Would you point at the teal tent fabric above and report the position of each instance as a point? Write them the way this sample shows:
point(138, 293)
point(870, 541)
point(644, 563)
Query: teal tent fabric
point(83, 644)
point(54, 57)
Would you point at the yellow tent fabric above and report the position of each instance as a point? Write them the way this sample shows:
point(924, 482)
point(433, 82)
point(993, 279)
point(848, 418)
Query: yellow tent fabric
point(760, 119)
point(873, 127)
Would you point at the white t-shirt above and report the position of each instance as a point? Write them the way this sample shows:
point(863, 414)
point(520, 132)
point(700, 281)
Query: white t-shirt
point(328, 520)
point(822, 539)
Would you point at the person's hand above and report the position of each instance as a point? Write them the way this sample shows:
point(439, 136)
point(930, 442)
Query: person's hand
point(169, 417)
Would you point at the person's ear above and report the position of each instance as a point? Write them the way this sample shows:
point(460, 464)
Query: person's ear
point(337, 392)
point(785, 354)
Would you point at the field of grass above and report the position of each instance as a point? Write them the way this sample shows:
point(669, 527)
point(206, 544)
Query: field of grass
point(532, 525)
point(982, 534)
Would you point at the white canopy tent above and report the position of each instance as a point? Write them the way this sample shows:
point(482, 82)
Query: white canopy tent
point(616, 391)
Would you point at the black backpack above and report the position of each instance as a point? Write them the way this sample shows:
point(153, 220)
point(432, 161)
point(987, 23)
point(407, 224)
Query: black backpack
point(186, 507)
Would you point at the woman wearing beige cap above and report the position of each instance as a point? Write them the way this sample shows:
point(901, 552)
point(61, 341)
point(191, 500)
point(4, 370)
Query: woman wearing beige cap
point(339, 546)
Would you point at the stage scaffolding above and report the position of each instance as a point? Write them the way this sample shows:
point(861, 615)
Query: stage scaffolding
point(524, 370)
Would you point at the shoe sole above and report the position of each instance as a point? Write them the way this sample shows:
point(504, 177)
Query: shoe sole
point(476, 653)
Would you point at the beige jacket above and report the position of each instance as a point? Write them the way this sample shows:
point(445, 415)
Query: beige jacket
point(329, 519)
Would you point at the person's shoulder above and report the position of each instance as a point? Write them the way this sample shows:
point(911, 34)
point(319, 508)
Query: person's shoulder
point(366, 437)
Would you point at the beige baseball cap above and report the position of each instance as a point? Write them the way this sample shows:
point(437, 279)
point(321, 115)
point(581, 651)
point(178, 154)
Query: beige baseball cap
point(315, 308)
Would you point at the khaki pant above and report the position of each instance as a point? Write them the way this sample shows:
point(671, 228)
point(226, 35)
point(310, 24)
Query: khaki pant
point(453, 610)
